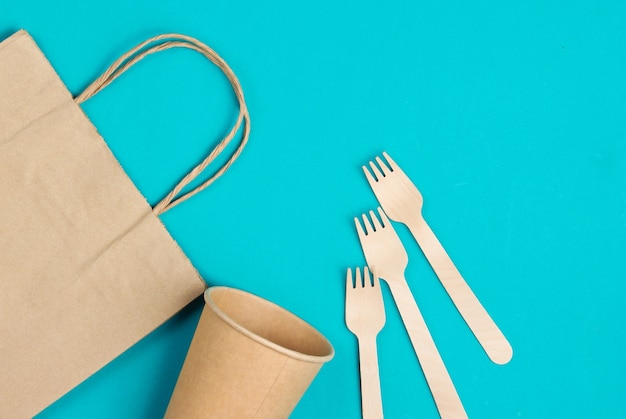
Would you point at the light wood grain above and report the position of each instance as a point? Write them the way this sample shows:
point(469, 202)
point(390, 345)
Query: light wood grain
point(402, 202)
point(365, 317)
point(387, 257)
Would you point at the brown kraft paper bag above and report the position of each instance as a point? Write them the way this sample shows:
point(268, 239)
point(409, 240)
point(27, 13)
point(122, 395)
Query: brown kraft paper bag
point(86, 267)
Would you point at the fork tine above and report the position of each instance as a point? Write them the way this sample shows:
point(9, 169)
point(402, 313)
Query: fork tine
point(370, 179)
point(383, 217)
point(383, 167)
point(375, 276)
point(375, 221)
point(377, 173)
point(359, 280)
point(349, 281)
point(359, 229)
point(390, 161)
point(367, 279)
point(366, 223)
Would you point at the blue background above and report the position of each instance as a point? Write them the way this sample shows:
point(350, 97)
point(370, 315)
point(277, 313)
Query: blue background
point(509, 116)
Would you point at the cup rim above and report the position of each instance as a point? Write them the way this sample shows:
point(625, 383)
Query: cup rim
point(318, 359)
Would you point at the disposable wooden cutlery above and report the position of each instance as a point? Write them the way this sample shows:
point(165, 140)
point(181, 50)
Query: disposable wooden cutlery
point(385, 254)
point(365, 317)
point(402, 202)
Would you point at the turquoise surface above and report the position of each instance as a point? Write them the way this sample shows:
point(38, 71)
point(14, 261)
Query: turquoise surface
point(509, 116)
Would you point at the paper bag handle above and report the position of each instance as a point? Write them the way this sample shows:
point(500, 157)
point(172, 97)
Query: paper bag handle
point(161, 43)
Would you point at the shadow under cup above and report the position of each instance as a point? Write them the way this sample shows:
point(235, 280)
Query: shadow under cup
point(249, 358)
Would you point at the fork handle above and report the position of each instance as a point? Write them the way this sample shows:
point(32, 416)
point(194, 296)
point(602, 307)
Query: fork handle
point(481, 324)
point(371, 401)
point(439, 381)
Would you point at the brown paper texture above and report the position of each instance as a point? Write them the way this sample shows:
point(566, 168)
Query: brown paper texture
point(249, 358)
point(86, 269)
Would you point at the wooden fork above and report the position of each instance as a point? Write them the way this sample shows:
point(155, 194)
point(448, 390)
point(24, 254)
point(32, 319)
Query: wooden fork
point(402, 202)
point(365, 317)
point(386, 256)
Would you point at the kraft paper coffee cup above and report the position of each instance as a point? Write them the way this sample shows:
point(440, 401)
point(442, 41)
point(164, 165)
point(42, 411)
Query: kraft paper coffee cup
point(249, 358)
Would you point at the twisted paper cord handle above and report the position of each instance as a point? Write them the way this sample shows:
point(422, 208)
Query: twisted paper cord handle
point(161, 43)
